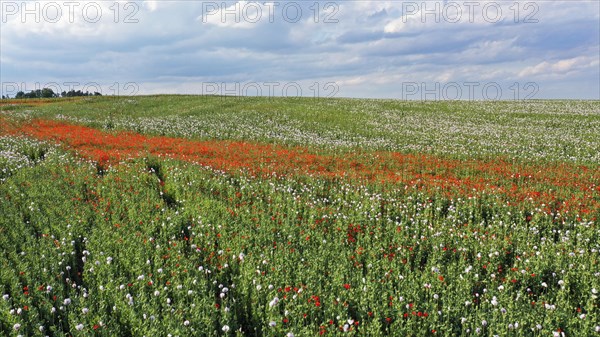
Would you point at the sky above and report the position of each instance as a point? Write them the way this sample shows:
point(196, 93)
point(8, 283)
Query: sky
point(423, 50)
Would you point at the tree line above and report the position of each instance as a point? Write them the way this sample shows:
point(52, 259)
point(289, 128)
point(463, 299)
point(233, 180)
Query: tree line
point(49, 93)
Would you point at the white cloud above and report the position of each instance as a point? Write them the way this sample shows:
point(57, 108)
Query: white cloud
point(152, 5)
point(560, 67)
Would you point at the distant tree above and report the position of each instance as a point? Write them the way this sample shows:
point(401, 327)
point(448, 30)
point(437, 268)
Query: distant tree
point(32, 94)
point(48, 93)
point(73, 93)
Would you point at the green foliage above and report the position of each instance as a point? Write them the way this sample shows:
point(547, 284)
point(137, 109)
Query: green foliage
point(38, 93)
point(154, 246)
point(108, 255)
point(540, 131)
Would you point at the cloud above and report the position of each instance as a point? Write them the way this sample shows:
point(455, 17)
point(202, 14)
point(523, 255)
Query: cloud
point(152, 5)
point(359, 36)
point(561, 68)
point(240, 14)
point(366, 46)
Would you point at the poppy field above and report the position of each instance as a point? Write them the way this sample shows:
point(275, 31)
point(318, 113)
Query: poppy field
point(247, 216)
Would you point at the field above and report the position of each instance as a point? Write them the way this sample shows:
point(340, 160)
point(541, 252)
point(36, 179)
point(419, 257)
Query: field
point(248, 216)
